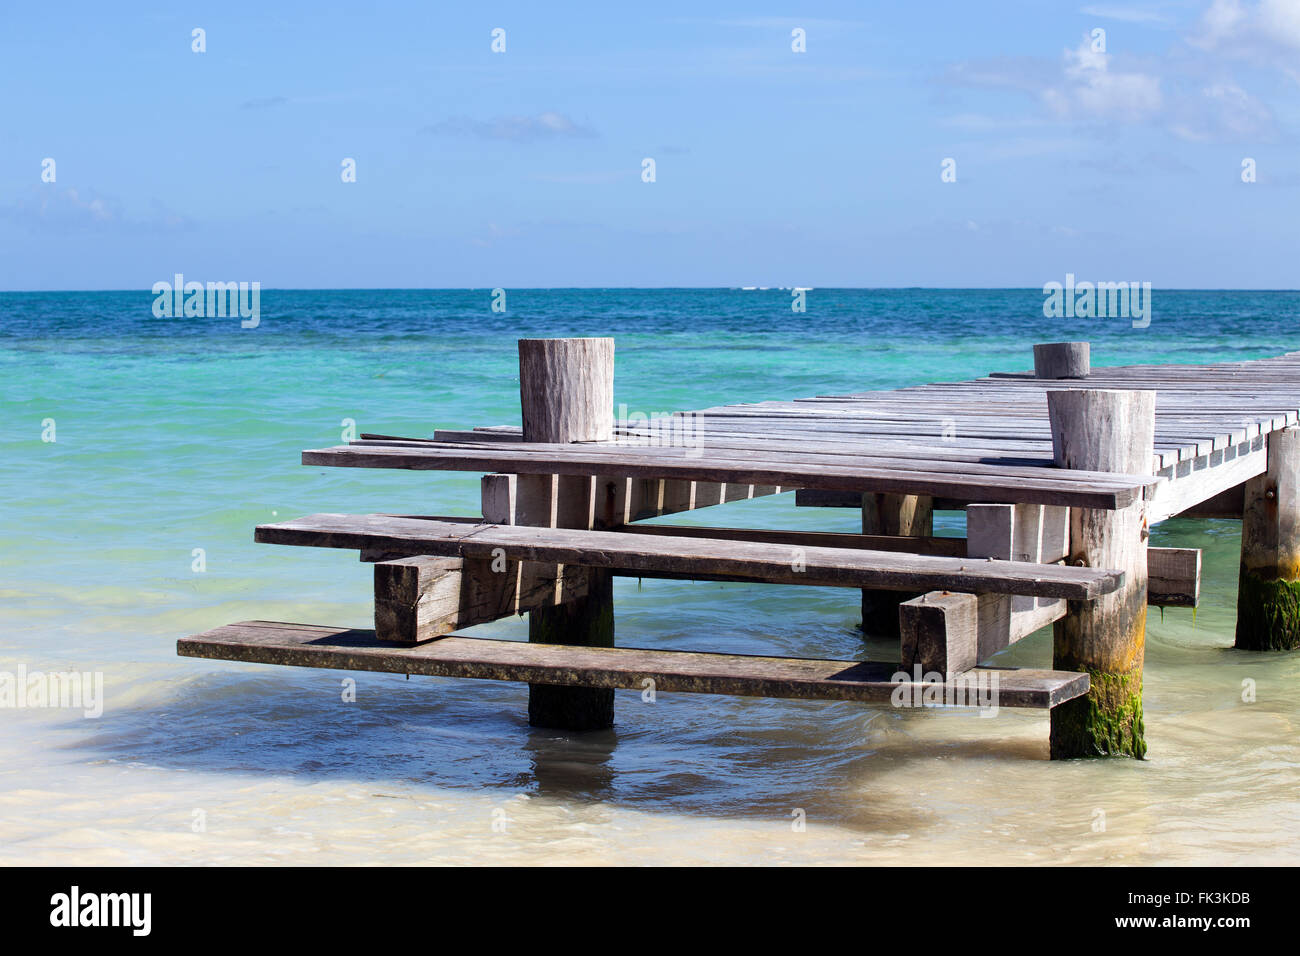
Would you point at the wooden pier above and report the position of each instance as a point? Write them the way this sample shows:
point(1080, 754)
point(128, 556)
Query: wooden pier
point(1061, 471)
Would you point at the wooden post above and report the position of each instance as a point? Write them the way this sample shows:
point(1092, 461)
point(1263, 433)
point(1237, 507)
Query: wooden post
point(566, 391)
point(1268, 589)
point(892, 514)
point(1103, 430)
point(1062, 360)
point(1037, 533)
point(940, 631)
point(422, 597)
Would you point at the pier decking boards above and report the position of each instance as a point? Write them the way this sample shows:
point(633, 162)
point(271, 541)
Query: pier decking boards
point(985, 440)
point(988, 427)
point(1064, 487)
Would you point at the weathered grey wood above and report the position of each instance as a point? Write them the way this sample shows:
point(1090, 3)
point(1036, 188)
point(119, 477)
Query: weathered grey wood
point(566, 394)
point(1062, 360)
point(474, 434)
point(1098, 429)
point(1268, 592)
point(566, 389)
point(497, 493)
point(422, 597)
point(939, 631)
point(1047, 486)
point(1019, 533)
point(814, 498)
point(1226, 504)
point(301, 645)
point(817, 498)
point(908, 516)
point(948, 547)
point(1204, 478)
point(990, 442)
point(1173, 577)
point(754, 561)
point(816, 458)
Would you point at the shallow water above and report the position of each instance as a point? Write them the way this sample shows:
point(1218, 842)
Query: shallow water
point(181, 434)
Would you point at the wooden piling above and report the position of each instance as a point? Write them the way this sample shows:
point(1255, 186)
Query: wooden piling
point(1268, 590)
point(910, 516)
point(1104, 430)
point(1062, 360)
point(566, 392)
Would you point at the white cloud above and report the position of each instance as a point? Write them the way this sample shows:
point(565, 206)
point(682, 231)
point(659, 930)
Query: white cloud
point(1192, 97)
point(1265, 32)
point(1090, 89)
point(1222, 111)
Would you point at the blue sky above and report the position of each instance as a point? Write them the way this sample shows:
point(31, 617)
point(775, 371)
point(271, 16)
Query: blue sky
point(523, 168)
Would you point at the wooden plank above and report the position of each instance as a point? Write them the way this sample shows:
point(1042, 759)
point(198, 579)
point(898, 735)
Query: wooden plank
point(301, 645)
point(1101, 493)
point(1226, 504)
point(758, 562)
point(948, 547)
point(619, 454)
point(817, 498)
point(810, 498)
point(1173, 577)
point(422, 597)
point(939, 632)
point(1205, 478)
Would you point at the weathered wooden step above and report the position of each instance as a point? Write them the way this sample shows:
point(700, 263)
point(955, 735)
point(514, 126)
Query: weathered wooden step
point(741, 560)
point(303, 645)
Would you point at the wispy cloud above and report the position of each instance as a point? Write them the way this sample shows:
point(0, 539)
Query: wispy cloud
point(1191, 98)
point(264, 102)
point(62, 209)
point(51, 208)
point(1080, 86)
point(494, 235)
point(1127, 14)
point(788, 23)
point(517, 129)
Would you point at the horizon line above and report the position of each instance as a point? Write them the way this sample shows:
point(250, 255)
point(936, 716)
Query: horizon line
point(663, 288)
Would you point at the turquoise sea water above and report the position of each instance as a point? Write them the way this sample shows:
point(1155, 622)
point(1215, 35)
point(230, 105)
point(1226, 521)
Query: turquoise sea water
point(180, 434)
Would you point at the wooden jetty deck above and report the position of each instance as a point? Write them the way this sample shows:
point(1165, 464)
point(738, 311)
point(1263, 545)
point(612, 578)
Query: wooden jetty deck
point(1060, 479)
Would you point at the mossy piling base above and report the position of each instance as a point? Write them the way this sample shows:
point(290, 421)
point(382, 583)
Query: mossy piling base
point(1268, 613)
point(1106, 722)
